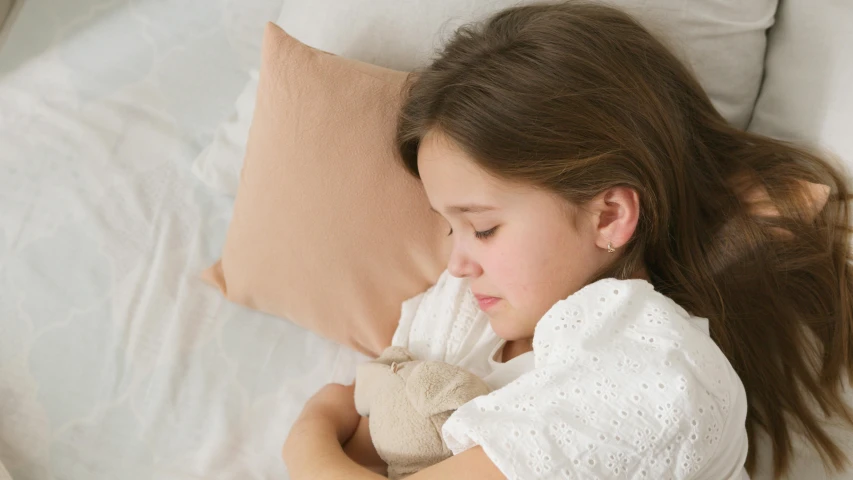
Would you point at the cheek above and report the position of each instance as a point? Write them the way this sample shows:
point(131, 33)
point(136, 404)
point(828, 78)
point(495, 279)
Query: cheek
point(518, 267)
point(542, 269)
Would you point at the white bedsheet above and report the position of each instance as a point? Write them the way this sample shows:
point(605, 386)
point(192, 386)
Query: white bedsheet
point(116, 362)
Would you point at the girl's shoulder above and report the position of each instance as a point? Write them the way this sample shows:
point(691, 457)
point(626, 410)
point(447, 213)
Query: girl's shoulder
point(618, 307)
point(624, 310)
point(630, 320)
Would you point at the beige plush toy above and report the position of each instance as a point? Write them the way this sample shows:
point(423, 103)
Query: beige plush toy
point(407, 402)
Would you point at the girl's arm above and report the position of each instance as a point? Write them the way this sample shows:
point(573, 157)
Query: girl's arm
point(361, 450)
point(313, 451)
point(472, 463)
point(313, 448)
point(318, 455)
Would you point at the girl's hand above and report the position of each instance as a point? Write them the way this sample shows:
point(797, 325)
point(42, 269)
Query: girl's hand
point(313, 448)
point(330, 411)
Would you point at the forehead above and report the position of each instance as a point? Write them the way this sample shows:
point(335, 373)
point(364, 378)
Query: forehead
point(451, 175)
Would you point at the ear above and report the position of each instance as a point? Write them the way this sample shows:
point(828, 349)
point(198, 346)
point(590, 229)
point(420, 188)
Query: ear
point(615, 213)
point(436, 387)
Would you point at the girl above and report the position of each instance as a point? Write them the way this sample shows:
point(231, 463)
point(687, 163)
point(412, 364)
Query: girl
point(594, 197)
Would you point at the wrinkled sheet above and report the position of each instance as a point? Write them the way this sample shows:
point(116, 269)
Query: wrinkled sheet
point(116, 361)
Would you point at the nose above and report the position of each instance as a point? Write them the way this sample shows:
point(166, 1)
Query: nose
point(461, 265)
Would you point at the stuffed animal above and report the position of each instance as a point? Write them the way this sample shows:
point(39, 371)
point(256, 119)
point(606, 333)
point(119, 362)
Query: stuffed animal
point(407, 402)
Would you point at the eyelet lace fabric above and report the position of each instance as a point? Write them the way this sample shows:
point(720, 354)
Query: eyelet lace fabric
point(626, 385)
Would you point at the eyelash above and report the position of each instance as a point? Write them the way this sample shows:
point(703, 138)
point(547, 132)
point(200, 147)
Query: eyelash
point(481, 235)
point(486, 234)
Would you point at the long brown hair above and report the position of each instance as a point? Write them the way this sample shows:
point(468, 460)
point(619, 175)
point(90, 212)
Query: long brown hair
point(578, 98)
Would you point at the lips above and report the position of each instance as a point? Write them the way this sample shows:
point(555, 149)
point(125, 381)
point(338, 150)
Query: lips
point(486, 302)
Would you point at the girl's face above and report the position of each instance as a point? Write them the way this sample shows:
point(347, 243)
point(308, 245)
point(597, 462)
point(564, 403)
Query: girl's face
point(522, 249)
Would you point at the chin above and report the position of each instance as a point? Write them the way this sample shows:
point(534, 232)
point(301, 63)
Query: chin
point(508, 329)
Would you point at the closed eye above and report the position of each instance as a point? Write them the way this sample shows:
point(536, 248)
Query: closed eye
point(485, 234)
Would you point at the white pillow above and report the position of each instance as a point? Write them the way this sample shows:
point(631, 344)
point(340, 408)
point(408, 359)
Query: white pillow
point(218, 165)
point(807, 95)
point(723, 40)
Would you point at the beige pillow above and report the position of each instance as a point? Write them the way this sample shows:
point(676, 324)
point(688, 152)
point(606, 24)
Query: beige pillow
point(328, 229)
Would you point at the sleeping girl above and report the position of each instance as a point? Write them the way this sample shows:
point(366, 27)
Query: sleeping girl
point(643, 285)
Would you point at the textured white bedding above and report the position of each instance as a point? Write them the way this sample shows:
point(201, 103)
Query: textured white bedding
point(116, 362)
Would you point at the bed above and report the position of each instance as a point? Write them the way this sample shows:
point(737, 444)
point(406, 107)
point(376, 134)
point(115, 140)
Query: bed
point(116, 361)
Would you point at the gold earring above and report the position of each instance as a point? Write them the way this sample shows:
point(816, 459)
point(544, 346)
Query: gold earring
point(610, 248)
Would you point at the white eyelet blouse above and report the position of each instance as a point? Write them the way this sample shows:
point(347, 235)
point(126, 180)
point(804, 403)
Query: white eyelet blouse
point(622, 383)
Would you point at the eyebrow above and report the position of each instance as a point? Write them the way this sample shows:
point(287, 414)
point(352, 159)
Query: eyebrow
point(468, 208)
